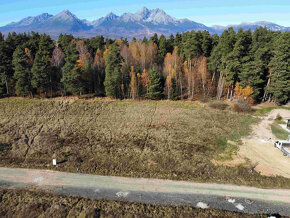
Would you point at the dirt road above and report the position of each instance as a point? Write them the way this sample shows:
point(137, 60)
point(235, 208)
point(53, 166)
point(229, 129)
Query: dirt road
point(259, 148)
point(225, 197)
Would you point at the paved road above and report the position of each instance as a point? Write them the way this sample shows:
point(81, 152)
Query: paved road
point(219, 196)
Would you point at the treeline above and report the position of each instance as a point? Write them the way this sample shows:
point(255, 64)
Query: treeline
point(191, 65)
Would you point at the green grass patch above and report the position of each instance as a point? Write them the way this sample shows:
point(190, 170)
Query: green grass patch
point(220, 105)
point(229, 150)
point(279, 132)
point(266, 110)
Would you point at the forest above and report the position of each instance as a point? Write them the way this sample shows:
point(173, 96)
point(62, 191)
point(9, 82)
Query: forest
point(192, 65)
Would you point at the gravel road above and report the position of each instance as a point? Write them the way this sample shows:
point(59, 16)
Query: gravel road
point(154, 191)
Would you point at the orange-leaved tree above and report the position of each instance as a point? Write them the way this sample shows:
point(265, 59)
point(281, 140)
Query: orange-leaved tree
point(244, 93)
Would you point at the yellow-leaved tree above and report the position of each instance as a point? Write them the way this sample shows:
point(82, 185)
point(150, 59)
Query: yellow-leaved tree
point(244, 93)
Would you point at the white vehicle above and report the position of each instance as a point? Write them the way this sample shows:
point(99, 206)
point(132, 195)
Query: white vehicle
point(284, 146)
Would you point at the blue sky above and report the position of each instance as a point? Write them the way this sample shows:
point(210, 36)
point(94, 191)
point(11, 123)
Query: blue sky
point(208, 12)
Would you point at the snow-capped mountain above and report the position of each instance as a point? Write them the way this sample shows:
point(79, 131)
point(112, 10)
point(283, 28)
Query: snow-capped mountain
point(29, 21)
point(144, 22)
point(64, 21)
point(253, 26)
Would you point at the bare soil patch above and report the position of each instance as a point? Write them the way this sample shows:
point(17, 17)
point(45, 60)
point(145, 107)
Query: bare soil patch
point(258, 149)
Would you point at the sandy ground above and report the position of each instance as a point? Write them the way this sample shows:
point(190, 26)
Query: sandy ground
point(259, 148)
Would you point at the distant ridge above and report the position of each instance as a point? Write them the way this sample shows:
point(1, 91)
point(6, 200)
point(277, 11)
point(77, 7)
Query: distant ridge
point(144, 22)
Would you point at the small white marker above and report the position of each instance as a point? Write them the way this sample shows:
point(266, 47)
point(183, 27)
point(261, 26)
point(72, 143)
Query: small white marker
point(38, 179)
point(239, 206)
point(231, 200)
point(202, 205)
point(122, 194)
point(54, 162)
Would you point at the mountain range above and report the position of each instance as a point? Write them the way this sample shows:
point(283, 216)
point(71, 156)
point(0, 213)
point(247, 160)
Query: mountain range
point(143, 23)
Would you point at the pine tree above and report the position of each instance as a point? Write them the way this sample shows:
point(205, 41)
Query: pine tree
point(72, 76)
point(22, 73)
point(219, 61)
point(162, 47)
point(156, 85)
point(155, 39)
point(64, 41)
point(4, 66)
point(10, 45)
point(41, 70)
point(174, 94)
point(255, 68)
point(280, 70)
point(206, 43)
point(113, 72)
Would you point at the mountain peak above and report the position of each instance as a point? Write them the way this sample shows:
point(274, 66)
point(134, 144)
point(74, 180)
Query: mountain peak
point(143, 14)
point(32, 20)
point(111, 16)
point(144, 22)
point(143, 10)
point(158, 16)
point(66, 13)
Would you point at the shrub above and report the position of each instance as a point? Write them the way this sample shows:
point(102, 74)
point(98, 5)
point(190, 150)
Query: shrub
point(218, 105)
point(242, 106)
point(278, 117)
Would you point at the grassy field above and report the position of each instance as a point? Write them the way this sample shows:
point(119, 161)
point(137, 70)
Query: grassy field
point(279, 132)
point(23, 203)
point(168, 140)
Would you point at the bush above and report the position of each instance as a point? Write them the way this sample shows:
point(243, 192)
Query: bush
point(218, 105)
point(242, 106)
point(278, 117)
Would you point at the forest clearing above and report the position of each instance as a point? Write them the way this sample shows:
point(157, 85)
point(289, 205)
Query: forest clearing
point(149, 139)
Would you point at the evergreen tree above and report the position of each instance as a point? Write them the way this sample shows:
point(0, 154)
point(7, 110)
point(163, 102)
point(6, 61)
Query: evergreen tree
point(162, 47)
point(11, 42)
point(174, 94)
point(280, 70)
point(206, 43)
point(4, 66)
point(145, 40)
point(33, 43)
point(255, 69)
point(22, 73)
point(238, 57)
point(113, 72)
point(72, 77)
point(155, 88)
point(170, 43)
point(94, 44)
point(64, 40)
point(215, 39)
point(219, 61)
point(178, 40)
point(191, 45)
point(41, 70)
point(154, 39)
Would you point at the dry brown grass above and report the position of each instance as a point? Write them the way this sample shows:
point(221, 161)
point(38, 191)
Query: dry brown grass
point(22, 203)
point(169, 140)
